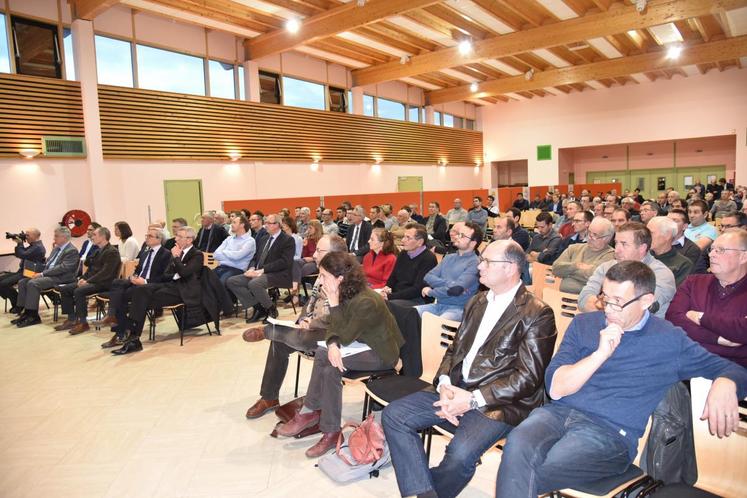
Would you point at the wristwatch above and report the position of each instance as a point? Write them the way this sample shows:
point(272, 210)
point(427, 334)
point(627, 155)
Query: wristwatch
point(473, 405)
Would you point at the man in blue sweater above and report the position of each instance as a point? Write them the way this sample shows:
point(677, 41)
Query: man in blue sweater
point(456, 278)
point(609, 374)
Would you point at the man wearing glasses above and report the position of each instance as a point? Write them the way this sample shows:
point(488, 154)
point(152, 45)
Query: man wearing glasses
point(609, 374)
point(455, 280)
point(632, 243)
point(489, 380)
point(578, 262)
point(712, 308)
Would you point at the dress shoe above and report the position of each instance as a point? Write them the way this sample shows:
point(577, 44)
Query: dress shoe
point(66, 325)
point(131, 346)
point(29, 321)
point(259, 314)
point(254, 334)
point(326, 443)
point(298, 423)
point(109, 320)
point(23, 316)
point(272, 312)
point(80, 328)
point(261, 407)
point(16, 310)
point(113, 342)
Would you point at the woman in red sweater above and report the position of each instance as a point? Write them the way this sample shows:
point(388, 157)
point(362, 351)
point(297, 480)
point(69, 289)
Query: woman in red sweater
point(379, 262)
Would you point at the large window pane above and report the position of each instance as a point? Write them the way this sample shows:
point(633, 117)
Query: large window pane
point(221, 80)
point(368, 105)
point(301, 93)
point(37, 48)
point(242, 94)
point(337, 102)
point(4, 54)
point(113, 61)
point(413, 114)
point(449, 120)
point(350, 102)
point(470, 124)
point(269, 88)
point(67, 41)
point(390, 109)
point(458, 122)
point(170, 71)
point(437, 118)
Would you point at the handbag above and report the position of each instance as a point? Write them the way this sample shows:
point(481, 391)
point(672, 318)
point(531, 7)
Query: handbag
point(366, 443)
point(31, 268)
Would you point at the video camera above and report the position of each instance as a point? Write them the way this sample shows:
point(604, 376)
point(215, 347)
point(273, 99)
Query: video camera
point(20, 236)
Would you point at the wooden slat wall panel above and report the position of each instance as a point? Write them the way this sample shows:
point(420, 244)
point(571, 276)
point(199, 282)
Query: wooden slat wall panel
point(146, 124)
point(33, 107)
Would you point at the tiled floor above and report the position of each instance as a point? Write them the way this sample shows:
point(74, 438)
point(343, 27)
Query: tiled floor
point(166, 422)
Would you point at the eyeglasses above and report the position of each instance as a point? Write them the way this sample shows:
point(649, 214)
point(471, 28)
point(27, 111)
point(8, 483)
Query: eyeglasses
point(726, 227)
point(721, 250)
point(488, 261)
point(597, 236)
point(463, 236)
point(272, 223)
point(579, 221)
point(617, 307)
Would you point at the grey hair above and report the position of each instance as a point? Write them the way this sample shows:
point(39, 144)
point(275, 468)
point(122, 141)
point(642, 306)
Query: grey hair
point(159, 233)
point(305, 210)
point(64, 231)
point(189, 231)
point(663, 224)
point(103, 231)
point(606, 224)
point(359, 211)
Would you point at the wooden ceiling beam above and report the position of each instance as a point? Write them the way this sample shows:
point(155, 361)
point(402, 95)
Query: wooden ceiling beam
point(620, 18)
point(336, 20)
point(89, 9)
point(705, 53)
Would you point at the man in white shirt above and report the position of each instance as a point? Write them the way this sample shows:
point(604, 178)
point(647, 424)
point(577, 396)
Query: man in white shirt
point(489, 380)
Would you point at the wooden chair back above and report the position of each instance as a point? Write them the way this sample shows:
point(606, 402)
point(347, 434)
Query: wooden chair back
point(128, 268)
point(528, 218)
point(543, 277)
point(565, 307)
point(437, 334)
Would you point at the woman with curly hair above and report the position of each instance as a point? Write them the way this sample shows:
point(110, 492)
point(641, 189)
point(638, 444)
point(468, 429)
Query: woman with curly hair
point(362, 335)
point(379, 262)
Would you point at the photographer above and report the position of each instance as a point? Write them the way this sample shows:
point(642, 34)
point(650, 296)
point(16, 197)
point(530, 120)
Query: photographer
point(29, 248)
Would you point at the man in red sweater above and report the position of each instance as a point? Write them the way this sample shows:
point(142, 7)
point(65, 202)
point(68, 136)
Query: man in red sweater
point(712, 308)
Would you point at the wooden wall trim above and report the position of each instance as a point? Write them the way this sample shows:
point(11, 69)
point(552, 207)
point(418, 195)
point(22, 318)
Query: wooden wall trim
point(145, 124)
point(33, 107)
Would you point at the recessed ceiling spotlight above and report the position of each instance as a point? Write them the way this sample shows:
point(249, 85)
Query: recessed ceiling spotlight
point(293, 25)
point(465, 47)
point(674, 51)
point(529, 75)
point(473, 87)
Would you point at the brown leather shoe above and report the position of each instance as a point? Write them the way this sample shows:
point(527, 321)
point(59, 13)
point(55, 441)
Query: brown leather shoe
point(66, 325)
point(80, 328)
point(113, 342)
point(254, 334)
point(326, 443)
point(298, 423)
point(108, 320)
point(261, 407)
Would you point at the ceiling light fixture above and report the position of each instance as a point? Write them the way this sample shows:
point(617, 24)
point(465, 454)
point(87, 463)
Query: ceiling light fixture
point(234, 156)
point(29, 153)
point(640, 5)
point(404, 59)
point(529, 75)
point(465, 47)
point(361, 3)
point(674, 51)
point(473, 87)
point(293, 25)
point(314, 166)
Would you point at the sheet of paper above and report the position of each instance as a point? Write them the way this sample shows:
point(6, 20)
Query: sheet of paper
point(284, 323)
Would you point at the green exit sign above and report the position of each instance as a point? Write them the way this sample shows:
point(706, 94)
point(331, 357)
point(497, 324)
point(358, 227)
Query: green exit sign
point(544, 152)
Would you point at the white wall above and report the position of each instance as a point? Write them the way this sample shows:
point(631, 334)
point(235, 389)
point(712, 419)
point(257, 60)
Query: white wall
point(699, 106)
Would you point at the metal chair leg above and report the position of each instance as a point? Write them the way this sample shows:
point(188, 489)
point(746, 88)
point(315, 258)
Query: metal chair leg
point(298, 374)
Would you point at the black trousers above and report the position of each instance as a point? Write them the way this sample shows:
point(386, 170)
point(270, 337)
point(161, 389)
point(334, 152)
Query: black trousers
point(150, 296)
point(7, 281)
point(74, 298)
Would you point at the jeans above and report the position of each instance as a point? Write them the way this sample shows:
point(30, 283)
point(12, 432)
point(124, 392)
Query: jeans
point(445, 311)
point(224, 272)
point(558, 447)
point(475, 434)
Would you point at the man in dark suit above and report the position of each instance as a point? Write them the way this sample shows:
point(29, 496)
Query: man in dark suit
point(99, 276)
point(259, 232)
point(33, 253)
point(61, 268)
point(151, 269)
point(211, 235)
point(489, 380)
point(272, 266)
point(359, 231)
point(437, 226)
point(88, 249)
point(182, 285)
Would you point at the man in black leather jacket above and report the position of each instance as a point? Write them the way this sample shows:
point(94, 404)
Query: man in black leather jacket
point(489, 380)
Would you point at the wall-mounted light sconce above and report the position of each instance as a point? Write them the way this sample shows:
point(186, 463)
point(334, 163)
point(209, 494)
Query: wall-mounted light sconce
point(314, 166)
point(29, 153)
point(234, 156)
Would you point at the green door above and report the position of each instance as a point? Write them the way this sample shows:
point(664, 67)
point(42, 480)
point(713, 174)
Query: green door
point(183, 200)
point(686, 177)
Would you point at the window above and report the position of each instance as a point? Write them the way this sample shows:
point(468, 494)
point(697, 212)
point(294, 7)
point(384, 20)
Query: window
point(300, 93)
point(470, 124)
point(413, 114)
point(242, 94)
point(368, 105)
point(390, 109)
point(168, 71)
point(350, 101)
point(458, 122)
point(67, 43)
point(37, 48)
point(4, 54)
point(221, 80)
point(113, 61)
point(437, 118)
point(269, 88)
point(448, 120)
point(337, 100)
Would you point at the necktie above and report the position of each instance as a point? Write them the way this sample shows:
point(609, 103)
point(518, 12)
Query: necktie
point(354, 240)
point(265, 250)
point(53, 258)
point(146, 265)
